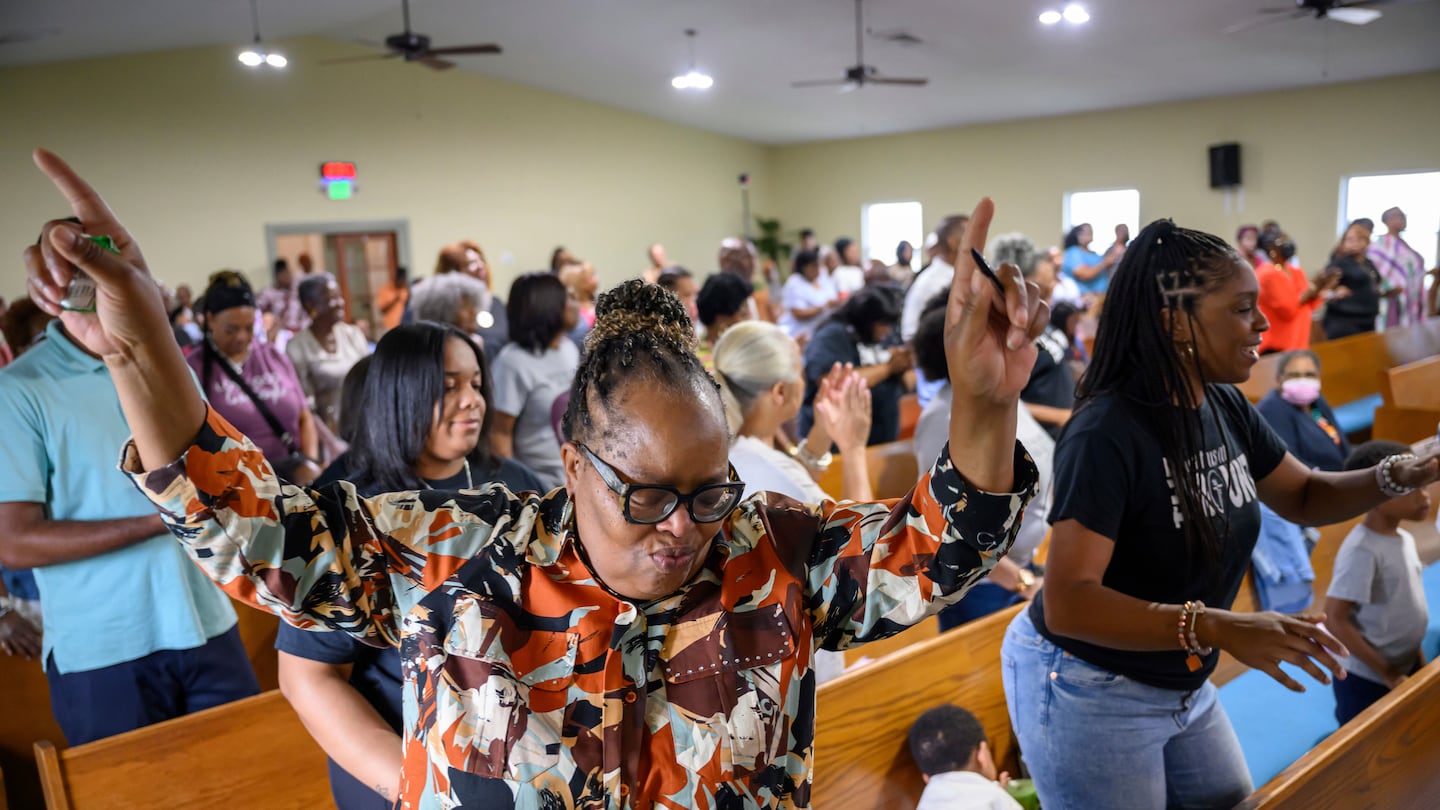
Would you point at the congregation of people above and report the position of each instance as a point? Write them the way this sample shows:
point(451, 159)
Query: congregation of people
point(404, 493)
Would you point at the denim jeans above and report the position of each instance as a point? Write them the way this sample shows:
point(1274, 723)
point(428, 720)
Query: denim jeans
point(1094, 739)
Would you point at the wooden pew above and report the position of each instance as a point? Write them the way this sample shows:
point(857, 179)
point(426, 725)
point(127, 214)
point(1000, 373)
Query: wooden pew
point(893, 471)
point(1385, 758)
point(25, 704)
point(862, 753)
point(253, 752)
point(909, 416)
point(1411, 408)
point(1350, 367)
point(25, 707)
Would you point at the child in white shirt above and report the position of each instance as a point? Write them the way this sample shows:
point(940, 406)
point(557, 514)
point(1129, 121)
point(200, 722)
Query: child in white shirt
point(949, 745)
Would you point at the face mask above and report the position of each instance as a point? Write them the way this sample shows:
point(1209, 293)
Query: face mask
point(1300, 391)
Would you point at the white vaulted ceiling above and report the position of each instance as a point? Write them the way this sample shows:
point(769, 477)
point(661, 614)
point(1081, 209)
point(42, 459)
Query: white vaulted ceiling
point(987, 60)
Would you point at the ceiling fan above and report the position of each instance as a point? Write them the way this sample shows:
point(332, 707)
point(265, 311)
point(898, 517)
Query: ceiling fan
point(1356, 12)
point(860, 74)
point(413, 47)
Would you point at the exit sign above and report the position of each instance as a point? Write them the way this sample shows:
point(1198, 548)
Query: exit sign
point(337, 179)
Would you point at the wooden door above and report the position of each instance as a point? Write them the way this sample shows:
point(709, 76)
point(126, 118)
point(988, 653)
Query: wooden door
point(364, 262)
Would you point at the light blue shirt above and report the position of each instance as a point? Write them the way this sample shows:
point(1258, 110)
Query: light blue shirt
point(61, 430)
point(1076, 256)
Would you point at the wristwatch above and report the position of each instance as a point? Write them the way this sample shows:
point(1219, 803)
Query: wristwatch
point(1027, 580)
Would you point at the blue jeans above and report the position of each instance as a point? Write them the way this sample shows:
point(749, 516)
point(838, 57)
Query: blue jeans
point(1095, 739)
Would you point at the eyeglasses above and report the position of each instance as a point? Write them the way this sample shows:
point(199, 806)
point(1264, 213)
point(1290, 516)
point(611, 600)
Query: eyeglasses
point(647, 504)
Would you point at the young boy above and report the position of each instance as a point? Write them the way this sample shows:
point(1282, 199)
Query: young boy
point(949, 745)
point(1376, 602)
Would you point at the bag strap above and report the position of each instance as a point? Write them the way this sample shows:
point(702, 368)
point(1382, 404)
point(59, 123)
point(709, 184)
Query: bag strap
point(260, 405)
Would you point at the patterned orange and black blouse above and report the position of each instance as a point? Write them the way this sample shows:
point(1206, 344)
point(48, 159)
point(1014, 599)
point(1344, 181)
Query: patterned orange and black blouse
point(528, 684)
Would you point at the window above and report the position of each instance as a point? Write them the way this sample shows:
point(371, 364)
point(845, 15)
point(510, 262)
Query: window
point(1415, 193)
point(1103, 210)
point(885, 225)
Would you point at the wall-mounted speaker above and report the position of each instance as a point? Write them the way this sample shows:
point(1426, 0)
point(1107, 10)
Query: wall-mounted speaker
point(1225, 165)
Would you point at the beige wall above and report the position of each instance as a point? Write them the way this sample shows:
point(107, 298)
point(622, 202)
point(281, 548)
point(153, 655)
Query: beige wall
point(1295, 148)
point(197, 154)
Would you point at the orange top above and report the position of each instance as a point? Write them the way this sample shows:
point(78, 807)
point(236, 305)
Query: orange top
point(392, 300)
point(1281, 289)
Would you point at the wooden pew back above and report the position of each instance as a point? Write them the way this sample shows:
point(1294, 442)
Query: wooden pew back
point(251, 752)
point(1385, 758)
point(25, 704)
point(1350, 367)
point(893, 471)
point(863, 718)
point(1412, 401)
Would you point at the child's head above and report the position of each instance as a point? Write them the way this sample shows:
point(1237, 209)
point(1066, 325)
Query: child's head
point(1415, 506)
point(949, 738)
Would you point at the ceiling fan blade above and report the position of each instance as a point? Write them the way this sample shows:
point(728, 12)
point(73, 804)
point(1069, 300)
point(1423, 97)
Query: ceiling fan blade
point(822, 83)
point(898, 81)
point(367, 58)
point(1354, 15)
point(433, 63)
point(1261, 22)
point(462, 50)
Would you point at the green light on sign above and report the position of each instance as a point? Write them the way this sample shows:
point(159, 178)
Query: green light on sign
point(339, 189)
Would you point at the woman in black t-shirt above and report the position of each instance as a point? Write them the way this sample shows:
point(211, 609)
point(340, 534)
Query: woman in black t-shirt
point(421, 422)
point(1158, 479)
point(1354, 309)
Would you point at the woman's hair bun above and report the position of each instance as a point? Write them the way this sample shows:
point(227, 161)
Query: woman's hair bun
point(635, 306)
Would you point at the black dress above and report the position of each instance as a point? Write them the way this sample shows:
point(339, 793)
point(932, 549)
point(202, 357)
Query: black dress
point(1356, 312)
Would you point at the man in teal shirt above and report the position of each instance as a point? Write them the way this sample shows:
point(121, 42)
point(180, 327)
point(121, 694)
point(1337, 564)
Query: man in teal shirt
point(133, 632)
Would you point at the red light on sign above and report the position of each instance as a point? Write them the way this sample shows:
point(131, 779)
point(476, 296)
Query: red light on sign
point(337, 170)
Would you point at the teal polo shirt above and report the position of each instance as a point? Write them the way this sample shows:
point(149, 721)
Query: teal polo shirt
point(61, 430)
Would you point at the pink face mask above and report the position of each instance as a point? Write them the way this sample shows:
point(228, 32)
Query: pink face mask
point(1300, 391)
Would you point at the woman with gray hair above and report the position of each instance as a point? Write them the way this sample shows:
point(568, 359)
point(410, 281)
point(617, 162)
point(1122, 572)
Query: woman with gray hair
point(454, 299)
point(324, 351)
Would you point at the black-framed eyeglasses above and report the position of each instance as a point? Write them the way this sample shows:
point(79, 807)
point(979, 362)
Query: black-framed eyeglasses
point(648, 504)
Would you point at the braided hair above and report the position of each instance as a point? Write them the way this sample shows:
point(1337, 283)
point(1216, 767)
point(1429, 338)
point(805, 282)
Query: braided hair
point(641, 333)
point(1137, 356)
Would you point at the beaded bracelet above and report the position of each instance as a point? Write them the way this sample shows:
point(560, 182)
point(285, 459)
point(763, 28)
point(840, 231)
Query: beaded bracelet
point(1385, 481)
point(1190, 614)
point(1197, 609)
point(1180, 626)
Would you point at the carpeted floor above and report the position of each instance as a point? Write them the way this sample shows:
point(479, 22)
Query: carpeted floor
point(1277, 726)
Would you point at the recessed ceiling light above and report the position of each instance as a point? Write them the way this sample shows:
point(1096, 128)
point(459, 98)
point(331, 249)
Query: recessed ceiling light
point(1076, 14)
point(1050, 17)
